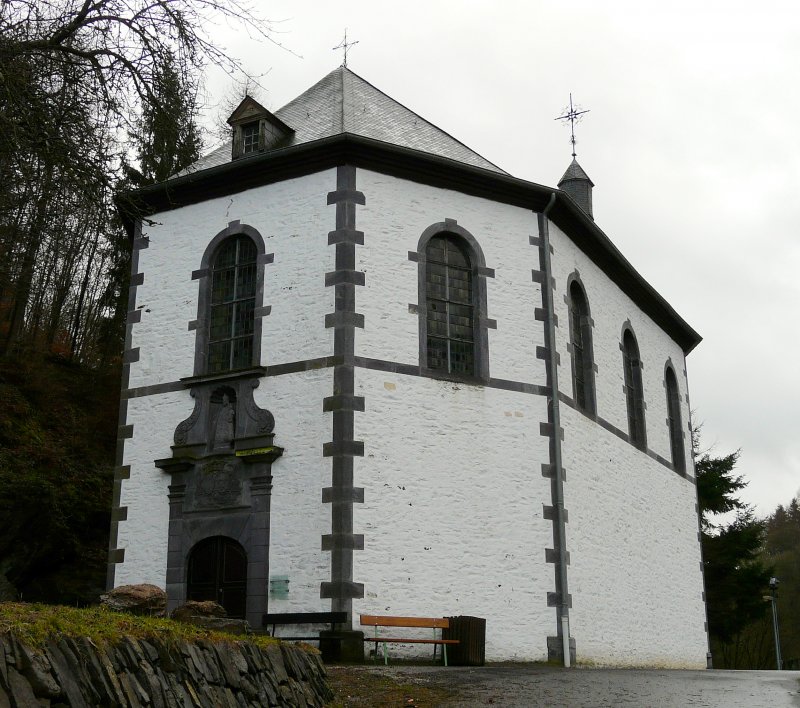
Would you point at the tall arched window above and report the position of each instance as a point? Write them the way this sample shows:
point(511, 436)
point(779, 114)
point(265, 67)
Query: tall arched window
point(634, 393)
point(580, 328)
point(674, 420)
point(233, 298)
point(450, 306)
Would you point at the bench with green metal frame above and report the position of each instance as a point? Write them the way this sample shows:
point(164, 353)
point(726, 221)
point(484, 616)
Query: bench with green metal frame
point(433, 623)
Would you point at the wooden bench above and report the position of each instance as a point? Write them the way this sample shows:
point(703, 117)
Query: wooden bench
point(284, 618)
point(433, 623)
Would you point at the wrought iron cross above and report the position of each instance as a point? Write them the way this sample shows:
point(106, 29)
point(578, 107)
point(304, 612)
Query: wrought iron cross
point(572, 115)
point(345, 45)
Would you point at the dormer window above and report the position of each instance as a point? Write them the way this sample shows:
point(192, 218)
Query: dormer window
point(249, 138)
point(256, 130)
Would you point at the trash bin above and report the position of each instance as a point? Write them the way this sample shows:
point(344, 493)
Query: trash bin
point(471, 634)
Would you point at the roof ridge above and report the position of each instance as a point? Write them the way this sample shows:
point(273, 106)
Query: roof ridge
point(424, 120)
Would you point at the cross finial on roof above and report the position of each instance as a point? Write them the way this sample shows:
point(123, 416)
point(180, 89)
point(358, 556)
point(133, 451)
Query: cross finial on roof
point(345, 45)
point(572, 115)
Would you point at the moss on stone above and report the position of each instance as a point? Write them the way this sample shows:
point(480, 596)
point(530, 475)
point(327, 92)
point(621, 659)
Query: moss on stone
point(36, 624)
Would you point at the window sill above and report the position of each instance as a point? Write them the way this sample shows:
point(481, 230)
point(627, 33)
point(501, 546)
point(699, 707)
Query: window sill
point(249, 373)
point(454, 378)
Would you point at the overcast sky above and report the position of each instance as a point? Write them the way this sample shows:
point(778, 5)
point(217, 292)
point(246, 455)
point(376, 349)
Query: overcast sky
point(691, 140)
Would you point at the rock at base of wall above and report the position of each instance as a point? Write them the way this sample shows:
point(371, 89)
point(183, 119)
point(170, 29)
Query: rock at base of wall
point(195, 608)
point(219, 624)
point(142, 599)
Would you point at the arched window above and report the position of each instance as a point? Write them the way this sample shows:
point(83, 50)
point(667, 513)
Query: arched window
point(232, 305)
point(634, 394)
point(674, 420)
point(450, 306)
point(580, 328)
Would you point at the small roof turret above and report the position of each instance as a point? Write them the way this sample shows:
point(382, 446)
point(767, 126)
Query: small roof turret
point(577, 184)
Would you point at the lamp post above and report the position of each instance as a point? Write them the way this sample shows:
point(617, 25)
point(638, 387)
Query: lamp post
point(773, 588)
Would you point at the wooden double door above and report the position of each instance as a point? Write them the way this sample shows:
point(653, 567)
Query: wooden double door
point(218, 571)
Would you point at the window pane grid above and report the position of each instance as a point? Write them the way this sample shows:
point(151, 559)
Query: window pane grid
point(249, 138)
point(233, 289)
point(674, 423)
point(633, 390)
point(450, 316)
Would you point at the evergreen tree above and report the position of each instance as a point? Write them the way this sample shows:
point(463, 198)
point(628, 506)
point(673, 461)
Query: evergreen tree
point(782, 549)
point(736, 578)
point(167, 138)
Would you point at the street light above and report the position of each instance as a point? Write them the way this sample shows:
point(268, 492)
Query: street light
point(773, 588)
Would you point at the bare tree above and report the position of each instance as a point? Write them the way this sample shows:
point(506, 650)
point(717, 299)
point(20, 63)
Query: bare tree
point(76, 78)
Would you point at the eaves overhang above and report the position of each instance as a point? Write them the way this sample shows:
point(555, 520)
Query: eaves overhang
point(367, 153)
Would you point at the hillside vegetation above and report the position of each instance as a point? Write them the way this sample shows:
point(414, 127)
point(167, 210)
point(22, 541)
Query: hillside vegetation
point(58, 424)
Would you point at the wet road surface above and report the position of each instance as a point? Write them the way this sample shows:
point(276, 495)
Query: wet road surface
point(530, 685)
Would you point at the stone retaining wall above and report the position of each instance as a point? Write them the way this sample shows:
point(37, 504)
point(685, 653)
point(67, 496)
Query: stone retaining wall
point(135, 672)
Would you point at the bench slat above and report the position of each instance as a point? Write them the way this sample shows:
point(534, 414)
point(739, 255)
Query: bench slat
point(407, 640)
point(385, 621)
point(304, 618)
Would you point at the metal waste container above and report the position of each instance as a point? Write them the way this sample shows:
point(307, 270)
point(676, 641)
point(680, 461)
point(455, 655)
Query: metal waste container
point(471, 634)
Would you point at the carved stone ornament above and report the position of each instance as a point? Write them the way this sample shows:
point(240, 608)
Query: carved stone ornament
point(225, 419)
point(182, 431)
point(218, 484)
point(265, 422)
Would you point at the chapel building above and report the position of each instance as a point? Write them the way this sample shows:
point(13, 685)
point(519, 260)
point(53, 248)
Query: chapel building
point(367, 370)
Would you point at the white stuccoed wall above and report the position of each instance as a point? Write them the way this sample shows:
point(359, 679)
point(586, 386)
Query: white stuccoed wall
point(453, 514)
point(452, 519)
point(144, 534)
point(610, 308)
point(294, 219)
point(395, 215)
point(635, 574)
point(298, 516)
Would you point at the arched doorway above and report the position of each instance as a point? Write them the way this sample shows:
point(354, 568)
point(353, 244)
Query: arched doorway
point(218, 571)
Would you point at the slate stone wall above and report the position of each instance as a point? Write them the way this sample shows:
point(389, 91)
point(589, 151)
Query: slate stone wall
point(132, 673)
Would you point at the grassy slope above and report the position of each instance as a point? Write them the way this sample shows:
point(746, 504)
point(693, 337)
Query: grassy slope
point(34, 624)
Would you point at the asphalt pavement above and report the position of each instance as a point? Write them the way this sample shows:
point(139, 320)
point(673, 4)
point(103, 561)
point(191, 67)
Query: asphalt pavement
point(533, 685)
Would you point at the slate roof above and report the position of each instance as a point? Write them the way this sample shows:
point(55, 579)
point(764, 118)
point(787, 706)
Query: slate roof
point(575, 171)
point(343, 102)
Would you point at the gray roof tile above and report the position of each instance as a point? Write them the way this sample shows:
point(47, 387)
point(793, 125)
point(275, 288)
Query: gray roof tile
point(343, 102)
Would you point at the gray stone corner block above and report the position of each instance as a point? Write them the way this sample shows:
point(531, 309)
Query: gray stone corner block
point(348, 448)
point(351, 196)
point(346, 235)
point(554, 599)
point(344, 319)
point(338, 277)
point(343, 402)
point(343, 495)
point(337, 541)
point(341, 590)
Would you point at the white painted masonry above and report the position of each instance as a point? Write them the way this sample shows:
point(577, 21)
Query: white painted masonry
point(458, 510)
point(452, 514)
